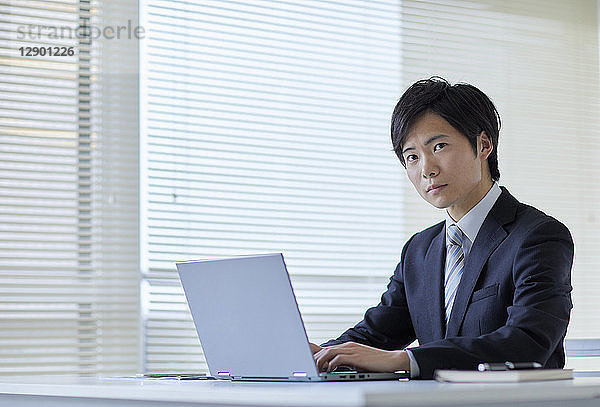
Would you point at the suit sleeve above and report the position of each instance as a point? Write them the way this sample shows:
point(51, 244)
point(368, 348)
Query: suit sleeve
point(388, 325)
point(537, 319)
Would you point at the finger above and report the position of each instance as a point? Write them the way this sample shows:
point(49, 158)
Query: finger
point(323, 365)
point(339, 360)
point(320, 360)
point(324, 357)
point(315, 348)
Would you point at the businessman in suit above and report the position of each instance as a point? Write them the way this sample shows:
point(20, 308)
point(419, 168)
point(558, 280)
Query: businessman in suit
point(491, 283)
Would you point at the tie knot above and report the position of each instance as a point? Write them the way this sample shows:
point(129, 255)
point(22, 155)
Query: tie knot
point(454, 235)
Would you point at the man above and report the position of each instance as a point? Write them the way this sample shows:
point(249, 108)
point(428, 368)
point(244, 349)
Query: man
point(489, 284)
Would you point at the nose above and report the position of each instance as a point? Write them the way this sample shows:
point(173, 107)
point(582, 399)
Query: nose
point(430, 168)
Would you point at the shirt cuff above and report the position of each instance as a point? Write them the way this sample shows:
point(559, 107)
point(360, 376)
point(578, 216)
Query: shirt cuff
point(415, 372)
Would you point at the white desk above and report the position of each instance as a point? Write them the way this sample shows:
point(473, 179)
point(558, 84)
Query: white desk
point(70, 391)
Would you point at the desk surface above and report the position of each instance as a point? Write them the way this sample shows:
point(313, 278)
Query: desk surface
point(112, 392)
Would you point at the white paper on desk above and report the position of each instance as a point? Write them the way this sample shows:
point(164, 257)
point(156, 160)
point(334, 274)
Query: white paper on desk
point(502, 376)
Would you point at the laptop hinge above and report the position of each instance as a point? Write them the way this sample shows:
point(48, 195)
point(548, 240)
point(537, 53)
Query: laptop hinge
point(224, 375)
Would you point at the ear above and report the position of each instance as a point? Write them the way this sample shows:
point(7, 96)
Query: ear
point(485, 146)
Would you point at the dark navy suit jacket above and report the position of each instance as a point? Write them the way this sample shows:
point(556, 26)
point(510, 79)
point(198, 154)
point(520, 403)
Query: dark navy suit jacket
point(513, 302)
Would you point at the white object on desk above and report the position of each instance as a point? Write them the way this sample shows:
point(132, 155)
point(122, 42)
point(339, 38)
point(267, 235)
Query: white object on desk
point(502, 376)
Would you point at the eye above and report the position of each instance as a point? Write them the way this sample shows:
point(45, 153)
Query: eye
point(411, 157)
point(439, 146)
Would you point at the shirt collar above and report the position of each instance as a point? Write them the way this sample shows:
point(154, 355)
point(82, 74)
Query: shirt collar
point(472, 221)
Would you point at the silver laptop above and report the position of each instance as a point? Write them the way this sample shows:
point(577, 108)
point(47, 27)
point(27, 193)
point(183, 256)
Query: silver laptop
point(249, 324)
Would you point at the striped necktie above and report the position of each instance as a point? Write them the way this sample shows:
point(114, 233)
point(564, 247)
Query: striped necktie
point(455, 262)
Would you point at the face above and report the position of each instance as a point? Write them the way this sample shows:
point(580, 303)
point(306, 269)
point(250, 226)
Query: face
point(442, 166)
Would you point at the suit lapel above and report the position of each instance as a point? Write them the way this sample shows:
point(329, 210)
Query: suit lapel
point(489, 237)
point(434, 267)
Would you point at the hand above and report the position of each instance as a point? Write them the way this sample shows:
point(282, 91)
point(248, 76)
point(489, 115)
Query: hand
point(361, 357)
point(314, 348)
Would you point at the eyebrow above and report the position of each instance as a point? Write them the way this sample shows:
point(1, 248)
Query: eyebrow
point(429, 141)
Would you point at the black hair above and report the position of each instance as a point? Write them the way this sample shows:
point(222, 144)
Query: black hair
point(464, 106)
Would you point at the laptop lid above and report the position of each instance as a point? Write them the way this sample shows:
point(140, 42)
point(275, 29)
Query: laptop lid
point(247, 317)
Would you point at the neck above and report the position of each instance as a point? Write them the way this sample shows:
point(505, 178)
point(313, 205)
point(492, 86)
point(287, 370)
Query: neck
point(460, 209)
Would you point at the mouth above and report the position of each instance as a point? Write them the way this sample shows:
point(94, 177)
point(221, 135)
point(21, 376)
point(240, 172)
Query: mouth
point(436, 187)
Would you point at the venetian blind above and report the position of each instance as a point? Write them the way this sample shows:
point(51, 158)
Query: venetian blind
point(538, 60)
point(265, 129)
point(230, 148)
point(63, 304)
